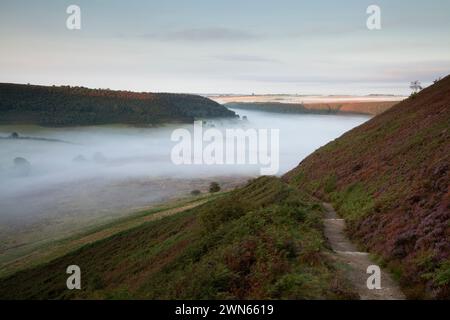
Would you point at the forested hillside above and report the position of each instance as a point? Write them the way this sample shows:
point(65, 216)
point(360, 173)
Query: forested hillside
point(73, 106)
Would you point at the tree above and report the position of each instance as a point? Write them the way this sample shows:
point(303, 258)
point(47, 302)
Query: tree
point(21, 166)
point(415, 86)
point(214, 187)
point(437, 80)
point(195, 192)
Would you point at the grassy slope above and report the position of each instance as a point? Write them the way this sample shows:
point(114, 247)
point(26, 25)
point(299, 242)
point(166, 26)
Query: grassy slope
point(53, 248)
point(390, 179)
point(260, 241)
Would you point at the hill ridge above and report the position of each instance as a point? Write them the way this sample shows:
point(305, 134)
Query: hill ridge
point(73, 106)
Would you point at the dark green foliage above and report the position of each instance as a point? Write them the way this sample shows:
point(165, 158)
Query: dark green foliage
point(354, 202)
point(70, 106)
point(214, 187)
point(442, 276)
point(224, 210)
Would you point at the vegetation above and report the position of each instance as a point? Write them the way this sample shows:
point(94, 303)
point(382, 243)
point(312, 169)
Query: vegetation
point(390, 179)
point(277, 107)
point(370, 108)
point(73, 106)
point(262, 241)
point(214, 187)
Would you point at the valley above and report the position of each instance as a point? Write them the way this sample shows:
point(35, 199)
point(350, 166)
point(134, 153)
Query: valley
point(272, 238)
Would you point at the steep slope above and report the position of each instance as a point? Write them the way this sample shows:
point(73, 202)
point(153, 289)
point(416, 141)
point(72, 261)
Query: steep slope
point(261, 241)
point(71, 106)
point(389, 178)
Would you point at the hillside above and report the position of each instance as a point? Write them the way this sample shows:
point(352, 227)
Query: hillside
point(370, 108)
point(389, 178)
point(73, 106)
point(259, 242)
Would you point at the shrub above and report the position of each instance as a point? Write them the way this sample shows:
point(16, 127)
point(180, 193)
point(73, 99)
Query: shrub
point(214, 187)
point(354, 202)
point(442, 276)
point(223, 211)
point(330, 183)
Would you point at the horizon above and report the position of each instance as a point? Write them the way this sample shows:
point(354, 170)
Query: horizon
point(213, 94)
point(216, 48)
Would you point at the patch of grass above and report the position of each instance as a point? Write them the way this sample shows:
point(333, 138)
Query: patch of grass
point(442, 276)
point(353, 202)
point(330, 183)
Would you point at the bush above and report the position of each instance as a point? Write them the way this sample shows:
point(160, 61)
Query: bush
point(214, 187)
point(195, 192)
point(354, 202)
point(224, 210)
point(442, 276)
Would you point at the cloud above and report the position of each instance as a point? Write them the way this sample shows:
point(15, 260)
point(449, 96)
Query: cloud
point(325, 31)
point(205, 35)
point(244, 58)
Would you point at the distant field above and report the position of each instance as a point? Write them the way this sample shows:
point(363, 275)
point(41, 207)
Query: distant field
point(371, 105)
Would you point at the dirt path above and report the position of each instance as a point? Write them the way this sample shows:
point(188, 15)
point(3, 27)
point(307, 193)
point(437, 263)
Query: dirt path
point(357, 262)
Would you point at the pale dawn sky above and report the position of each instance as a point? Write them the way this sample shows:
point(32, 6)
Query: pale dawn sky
point(302, 47)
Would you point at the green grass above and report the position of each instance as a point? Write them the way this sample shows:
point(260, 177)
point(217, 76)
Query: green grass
point(353, 203)
point(263, 241)
point(442, 275)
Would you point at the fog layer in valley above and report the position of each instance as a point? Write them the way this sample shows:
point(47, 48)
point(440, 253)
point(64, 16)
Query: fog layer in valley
point(50, 189)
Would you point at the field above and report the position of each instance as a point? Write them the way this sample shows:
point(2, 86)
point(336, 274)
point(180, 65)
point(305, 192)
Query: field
point(371, 105)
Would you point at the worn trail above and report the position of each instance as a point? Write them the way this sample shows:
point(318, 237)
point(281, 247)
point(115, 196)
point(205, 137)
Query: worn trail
point(356, 262)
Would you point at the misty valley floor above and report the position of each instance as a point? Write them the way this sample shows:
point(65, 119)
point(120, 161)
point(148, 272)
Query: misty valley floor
point(106, 173)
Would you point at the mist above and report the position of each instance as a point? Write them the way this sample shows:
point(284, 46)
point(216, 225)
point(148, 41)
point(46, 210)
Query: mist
point(81, 176)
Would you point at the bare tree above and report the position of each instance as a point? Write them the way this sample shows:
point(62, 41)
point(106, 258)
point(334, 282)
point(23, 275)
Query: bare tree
point(415, 86)
point(437, 80)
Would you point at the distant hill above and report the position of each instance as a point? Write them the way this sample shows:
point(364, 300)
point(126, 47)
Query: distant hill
point(389, 178)
point(367, 107)
point(75, 106)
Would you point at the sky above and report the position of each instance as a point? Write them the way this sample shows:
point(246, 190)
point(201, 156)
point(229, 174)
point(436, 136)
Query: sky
point(240, 47)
